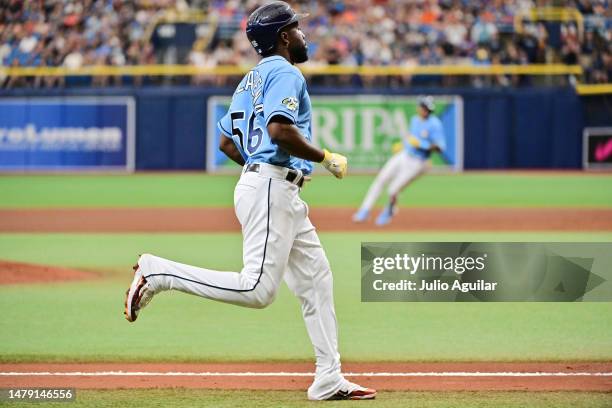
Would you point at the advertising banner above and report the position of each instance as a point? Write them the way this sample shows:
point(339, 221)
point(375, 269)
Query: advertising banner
point(362, 127)
point(597, 148)
point(69, 133)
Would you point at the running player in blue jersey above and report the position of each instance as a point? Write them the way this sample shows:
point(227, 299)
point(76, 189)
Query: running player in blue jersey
point(268, 130)
point(426, 136)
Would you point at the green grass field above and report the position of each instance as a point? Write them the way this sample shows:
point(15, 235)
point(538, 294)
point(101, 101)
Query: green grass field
point(290, 399)
point(83, 321)
point(197, 190)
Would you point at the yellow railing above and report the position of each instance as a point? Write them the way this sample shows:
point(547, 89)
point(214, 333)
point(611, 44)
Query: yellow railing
point(230, 70)
point(176, 16)
point(233, 70)
point(563, 14)
point(594, 89)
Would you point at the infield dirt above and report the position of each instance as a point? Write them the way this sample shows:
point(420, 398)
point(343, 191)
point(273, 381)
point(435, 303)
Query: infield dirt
point(99, 376)
point(325, 219)
point(25, 273)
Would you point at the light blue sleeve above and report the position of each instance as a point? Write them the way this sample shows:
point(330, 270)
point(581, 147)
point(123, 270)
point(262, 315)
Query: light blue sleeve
point(413, 129)
point(421, 130)
point(437, 136)
point(282, 95)
point(225, 125)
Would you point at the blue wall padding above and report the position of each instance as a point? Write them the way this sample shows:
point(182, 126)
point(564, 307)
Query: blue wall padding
point(504, 128)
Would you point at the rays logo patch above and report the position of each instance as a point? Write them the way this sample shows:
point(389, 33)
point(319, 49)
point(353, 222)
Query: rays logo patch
point(291, 103)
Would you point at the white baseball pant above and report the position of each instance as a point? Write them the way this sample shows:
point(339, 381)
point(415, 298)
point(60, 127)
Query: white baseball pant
point(398, 172)
point(279, 241)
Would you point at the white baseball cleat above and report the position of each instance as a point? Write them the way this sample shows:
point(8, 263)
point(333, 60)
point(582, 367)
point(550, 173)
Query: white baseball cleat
point(137, 296)
point(354, 392)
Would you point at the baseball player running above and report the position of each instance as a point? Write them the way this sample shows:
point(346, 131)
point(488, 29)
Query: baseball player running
point(426, 135)
point(267, 130)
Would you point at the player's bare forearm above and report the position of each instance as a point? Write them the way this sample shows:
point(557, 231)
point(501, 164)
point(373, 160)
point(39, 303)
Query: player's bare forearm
point(227, 146)
point(286, 135)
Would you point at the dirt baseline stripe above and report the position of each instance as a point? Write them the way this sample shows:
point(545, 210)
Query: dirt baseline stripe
point(93, 220)
point(296, 374)
point(475, 376)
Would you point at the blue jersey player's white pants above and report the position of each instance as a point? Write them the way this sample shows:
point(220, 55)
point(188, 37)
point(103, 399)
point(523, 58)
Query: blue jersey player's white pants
point(279, 242)
point(397, 173)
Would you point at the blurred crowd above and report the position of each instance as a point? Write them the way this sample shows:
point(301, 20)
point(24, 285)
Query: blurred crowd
point(73, 34)
point(40, 33)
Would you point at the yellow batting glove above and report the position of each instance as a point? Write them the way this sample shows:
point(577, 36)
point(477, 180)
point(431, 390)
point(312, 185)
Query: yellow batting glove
point(335, 163)
point(414, 142)
point(397, 147)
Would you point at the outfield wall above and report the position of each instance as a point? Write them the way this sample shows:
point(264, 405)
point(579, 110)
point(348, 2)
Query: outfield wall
point(522, 128)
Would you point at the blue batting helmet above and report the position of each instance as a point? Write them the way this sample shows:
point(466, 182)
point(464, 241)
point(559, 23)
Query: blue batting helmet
point(265, 23)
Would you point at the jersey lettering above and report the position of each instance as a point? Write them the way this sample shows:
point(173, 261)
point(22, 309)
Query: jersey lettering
point(254, 133)
point(270, 89)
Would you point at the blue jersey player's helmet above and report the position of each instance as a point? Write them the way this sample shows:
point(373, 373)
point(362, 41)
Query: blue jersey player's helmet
point(428, 103)
point(265, 23)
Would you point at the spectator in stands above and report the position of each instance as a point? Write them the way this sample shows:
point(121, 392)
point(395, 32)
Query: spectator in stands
point(484, 31)
point(358, 32)
point(455, 33)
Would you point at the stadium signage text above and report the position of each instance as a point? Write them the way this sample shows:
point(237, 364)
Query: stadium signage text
point(71, 133)
point(107, 139)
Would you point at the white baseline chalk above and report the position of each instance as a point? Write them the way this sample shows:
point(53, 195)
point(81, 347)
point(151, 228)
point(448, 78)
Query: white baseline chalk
point(298, 374)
